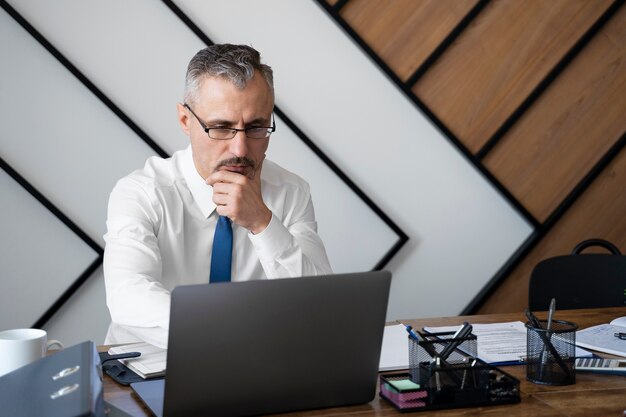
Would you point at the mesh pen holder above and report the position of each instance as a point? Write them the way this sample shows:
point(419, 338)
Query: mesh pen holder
point(448, 375)
point(426, 365)
point(551, 354)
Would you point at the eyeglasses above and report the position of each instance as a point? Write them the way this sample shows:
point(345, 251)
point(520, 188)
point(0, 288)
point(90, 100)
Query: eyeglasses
point(227, 133)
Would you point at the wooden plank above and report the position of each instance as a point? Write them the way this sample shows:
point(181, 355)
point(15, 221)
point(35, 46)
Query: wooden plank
point(571, 126)
point(599, 213)
point(583, 317)
point(404, 32)
point(495, 64)
point(607, 402)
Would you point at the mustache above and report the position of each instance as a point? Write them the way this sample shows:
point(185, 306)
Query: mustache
point(237, 160)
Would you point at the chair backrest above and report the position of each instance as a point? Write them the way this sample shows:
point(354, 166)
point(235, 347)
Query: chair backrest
point(580, 280)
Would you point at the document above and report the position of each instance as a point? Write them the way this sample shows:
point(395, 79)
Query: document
point(500, 343)
point(150, 364)
point(602, 337)
point(395, 351)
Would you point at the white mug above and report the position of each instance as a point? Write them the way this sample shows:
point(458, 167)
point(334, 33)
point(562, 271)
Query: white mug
point(19, 347)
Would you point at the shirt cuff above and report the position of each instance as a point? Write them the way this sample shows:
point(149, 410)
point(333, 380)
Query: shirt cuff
point(272, 242)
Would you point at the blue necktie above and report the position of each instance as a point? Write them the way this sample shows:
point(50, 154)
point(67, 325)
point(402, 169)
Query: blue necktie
point(222, 254)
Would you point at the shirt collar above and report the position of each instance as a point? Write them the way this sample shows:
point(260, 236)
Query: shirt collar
point(201, 191)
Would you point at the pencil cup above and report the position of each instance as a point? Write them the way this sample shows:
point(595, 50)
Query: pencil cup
point(427, 371)
point(551, 353)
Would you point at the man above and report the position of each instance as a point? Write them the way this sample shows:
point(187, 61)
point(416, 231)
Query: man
point(173, 222)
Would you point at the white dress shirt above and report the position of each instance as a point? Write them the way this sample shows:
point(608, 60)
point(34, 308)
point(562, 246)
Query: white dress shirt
point(160, 226)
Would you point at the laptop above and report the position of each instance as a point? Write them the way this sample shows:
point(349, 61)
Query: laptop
point(269, 346)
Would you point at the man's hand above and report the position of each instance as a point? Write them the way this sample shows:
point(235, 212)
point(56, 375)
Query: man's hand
point(239, 198)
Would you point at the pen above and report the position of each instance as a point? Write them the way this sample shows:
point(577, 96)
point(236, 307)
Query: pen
point(429, 350)
point(411, 333)
point(461, 333)
point(532, 319)
point(535, 323)
point(426, 345)
point(105, 356)
point(544, 350)
point(551, 313)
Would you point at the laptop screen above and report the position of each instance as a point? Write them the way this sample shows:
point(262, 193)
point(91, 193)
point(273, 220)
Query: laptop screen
point(258, 347)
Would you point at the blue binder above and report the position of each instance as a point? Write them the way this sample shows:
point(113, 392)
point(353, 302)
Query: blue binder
point(67, 383)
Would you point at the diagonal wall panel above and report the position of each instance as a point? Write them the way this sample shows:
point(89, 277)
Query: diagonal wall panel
point(39, 256)
point(404, 32)
point(64, 142)
point(84, 316)
point(569, 129)
point(489, 72)
point(61, 138)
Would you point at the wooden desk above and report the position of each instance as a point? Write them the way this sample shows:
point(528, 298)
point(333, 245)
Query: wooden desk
point(593, 395)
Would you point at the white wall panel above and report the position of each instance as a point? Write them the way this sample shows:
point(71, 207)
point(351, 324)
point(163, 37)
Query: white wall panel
point(350, 244)
point(462, 229)
point(84, 317)
point(39, 256)
point(73, 149)
point(136, 52)
point(57, 134)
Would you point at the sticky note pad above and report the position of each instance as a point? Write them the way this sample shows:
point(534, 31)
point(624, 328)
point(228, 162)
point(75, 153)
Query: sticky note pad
point(404, 384)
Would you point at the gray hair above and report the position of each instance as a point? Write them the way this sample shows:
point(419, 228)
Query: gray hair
point(236, 63)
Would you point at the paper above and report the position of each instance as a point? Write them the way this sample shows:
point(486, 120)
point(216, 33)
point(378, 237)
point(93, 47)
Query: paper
point(395, 351)
point(602, 338)
point(403, 384)
point(150, 364)
point(620, 321)
point(500, 343)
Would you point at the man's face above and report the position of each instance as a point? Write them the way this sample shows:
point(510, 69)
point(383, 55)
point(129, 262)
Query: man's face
point(220, 104)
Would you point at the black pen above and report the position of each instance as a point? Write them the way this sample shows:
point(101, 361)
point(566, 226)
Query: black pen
point(532, 319)
point(426, 345)
point(535, 323)
point(461, 333)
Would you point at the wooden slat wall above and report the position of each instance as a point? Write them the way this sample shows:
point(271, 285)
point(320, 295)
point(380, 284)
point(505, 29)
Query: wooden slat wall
point(600, 212)
point(498, 61)
point(480, 81)
point(570, 127)
point(405, 34)
point(588, 104)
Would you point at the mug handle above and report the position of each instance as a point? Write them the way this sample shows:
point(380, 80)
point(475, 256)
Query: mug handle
point(53, 343)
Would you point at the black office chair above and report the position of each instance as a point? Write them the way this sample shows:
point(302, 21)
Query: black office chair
point(580, 281)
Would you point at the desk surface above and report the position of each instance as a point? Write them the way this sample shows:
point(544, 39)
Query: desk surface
point(592, 395)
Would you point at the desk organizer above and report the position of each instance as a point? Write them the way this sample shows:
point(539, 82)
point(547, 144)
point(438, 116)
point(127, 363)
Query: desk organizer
point(445, 373)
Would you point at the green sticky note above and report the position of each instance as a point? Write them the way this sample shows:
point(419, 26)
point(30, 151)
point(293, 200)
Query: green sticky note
point(404, 384)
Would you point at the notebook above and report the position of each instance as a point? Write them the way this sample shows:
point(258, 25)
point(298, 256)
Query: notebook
point(150, 364)
point(269, 346)
point(603, 337)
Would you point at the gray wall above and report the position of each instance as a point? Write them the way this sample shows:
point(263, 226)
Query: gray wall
point(72, 148)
